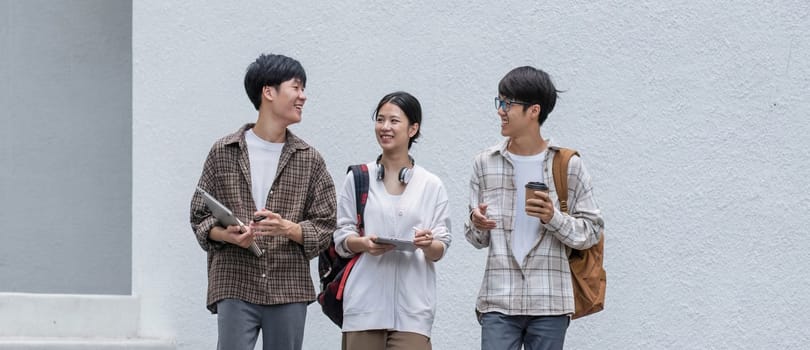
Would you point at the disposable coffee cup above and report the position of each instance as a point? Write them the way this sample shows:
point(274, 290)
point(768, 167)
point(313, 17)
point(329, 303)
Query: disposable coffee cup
point(535, 186)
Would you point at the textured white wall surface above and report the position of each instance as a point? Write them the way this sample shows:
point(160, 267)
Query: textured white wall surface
point(691, 116)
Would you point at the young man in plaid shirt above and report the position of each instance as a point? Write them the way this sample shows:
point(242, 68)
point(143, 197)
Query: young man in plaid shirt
point(263, 169)
point(526, 296)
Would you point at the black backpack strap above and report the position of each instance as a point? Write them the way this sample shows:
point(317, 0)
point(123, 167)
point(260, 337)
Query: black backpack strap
point(360, 173)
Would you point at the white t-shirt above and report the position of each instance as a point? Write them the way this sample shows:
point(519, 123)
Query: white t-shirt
point(263, 158)
point(527, 228)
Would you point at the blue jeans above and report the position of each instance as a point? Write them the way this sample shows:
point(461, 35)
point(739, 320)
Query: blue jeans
point(504, 332)
point(238, 323)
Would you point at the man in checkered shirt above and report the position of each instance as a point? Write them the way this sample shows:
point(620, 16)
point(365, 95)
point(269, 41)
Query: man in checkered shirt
point(526, 296)
point(263, 170)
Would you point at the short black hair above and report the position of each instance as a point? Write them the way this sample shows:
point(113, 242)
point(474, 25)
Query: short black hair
point(271, 70)
point(409, 105)
point(531, 85)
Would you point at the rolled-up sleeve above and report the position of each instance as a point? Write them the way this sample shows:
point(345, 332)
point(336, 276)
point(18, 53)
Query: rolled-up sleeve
point(441, 224)
point(202, 221)
point(346, 217)
point(478, 238)
point(319, 215)
point(583, 227)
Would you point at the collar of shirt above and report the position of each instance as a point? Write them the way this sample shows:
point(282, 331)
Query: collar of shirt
point(239, 137)
point(501, 147)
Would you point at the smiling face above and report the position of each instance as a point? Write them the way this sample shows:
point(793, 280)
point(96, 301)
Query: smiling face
point(518, 121)
point(287, 100)
point(393, 129)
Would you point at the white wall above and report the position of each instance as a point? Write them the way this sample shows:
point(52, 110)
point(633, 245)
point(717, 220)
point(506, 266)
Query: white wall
point(692, 117)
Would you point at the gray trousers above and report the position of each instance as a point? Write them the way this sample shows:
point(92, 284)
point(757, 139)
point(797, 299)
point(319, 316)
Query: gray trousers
point(239, 322)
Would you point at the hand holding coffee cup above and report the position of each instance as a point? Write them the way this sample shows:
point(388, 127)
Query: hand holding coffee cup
point(538, 203)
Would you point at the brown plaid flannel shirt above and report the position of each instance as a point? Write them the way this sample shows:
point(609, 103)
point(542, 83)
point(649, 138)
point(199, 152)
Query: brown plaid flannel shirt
point(303, 192)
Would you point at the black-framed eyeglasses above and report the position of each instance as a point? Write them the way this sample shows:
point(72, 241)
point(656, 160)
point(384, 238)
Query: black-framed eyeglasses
point(507, 104)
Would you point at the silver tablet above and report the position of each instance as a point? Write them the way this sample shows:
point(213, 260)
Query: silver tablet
point(220, 211)
point(225, 217)
point(399, 244)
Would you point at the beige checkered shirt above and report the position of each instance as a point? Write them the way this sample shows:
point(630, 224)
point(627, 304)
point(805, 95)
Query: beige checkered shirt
point(542, 285)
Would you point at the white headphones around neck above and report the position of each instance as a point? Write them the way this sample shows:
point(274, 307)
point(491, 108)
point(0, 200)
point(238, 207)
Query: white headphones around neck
point(404, 174)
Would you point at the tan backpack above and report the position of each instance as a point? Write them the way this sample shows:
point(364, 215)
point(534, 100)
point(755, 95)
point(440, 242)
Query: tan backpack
point(587, 272)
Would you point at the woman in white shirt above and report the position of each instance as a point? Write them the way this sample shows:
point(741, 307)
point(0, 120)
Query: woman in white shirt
point(390, 296)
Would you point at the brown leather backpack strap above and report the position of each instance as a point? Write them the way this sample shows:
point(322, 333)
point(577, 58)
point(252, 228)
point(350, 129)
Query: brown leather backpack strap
point(559, 169)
